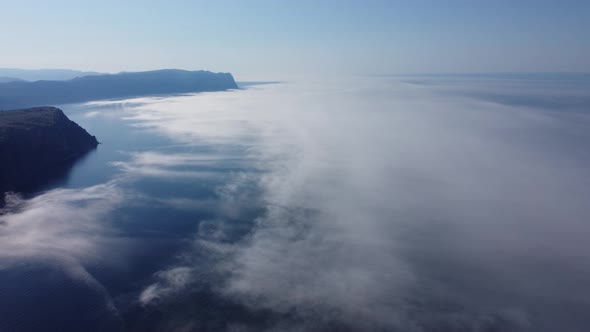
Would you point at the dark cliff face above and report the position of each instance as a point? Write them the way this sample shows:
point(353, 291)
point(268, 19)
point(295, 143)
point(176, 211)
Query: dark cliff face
point(38, 144)
point(122, 85)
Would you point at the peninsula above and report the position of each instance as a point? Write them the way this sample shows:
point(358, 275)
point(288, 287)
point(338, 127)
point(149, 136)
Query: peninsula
point(37, 145)
point(23, 94)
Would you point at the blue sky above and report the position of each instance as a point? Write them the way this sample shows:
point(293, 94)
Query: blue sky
point(279, 38)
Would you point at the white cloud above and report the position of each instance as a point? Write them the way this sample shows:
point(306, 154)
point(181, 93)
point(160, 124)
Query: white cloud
point(68, 221)
point(383, 197)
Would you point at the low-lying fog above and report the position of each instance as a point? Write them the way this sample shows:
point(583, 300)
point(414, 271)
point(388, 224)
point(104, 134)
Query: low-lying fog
point(400, 204)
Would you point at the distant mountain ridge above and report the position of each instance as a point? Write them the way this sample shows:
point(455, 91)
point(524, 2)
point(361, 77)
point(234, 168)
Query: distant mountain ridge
point(111, 86)
point(44, 74)
point(4, 79)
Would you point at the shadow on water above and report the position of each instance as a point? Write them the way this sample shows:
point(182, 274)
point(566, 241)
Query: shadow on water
point(48, 178)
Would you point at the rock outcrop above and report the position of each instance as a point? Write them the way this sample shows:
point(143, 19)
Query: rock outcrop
point(38, 144)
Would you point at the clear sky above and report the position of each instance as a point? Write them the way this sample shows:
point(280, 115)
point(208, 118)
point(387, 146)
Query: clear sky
point(279, 37)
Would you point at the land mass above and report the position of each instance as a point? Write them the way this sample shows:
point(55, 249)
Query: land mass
point(24, 94)
point(9, 79)
point(44, 74)
point(37, 145)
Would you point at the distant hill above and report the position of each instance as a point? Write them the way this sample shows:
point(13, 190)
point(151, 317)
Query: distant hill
point(44, 74)
point(9, 79)
point(111, 86)
point(38, 145)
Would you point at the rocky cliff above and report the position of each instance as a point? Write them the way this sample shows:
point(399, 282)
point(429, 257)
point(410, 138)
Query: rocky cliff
point(38, 144)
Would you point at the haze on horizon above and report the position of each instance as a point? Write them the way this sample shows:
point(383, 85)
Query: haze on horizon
point(279, 39)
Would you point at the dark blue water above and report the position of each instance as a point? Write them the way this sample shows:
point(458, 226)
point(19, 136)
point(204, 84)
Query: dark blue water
point(151, 227)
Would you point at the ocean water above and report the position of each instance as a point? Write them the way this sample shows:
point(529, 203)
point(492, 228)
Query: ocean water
point(369, 203)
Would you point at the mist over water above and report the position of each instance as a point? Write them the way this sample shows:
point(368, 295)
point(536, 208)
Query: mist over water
point(392, 203)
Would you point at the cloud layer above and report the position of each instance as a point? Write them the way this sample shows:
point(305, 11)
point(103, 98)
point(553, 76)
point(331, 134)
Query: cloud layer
point(430, 204)
point(398, 206)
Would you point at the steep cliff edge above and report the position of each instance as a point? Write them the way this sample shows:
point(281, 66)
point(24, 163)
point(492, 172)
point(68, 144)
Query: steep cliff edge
point(37, 144)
